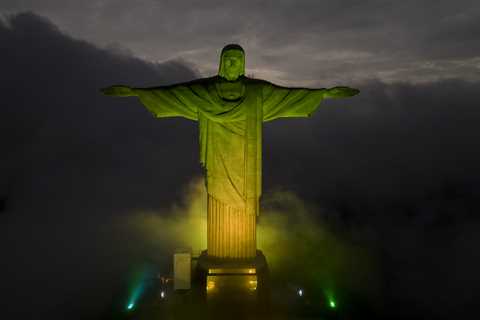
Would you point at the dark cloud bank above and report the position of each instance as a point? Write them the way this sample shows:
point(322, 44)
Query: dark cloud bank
point(395, 170)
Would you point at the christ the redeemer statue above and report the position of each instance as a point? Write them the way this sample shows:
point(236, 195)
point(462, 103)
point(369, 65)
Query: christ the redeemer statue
point(230, 109)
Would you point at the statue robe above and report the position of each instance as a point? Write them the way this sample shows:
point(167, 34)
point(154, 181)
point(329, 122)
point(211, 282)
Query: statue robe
point(231, 146)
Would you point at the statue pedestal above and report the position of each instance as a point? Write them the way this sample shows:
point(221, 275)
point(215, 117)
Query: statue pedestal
point(234, 282)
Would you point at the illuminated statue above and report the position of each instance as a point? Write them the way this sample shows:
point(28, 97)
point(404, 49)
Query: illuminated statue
point(230, 109)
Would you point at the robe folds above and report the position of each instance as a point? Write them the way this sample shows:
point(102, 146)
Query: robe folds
point(230, 132)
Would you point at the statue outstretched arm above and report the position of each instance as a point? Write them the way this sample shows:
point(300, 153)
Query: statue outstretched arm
point(165, 101)
point(284, 102)
point(340, 92)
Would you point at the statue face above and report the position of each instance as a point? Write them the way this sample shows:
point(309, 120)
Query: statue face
point(233, 64)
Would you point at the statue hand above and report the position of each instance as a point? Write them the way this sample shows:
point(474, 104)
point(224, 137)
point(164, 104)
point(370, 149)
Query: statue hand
point(341, 92)
point(118, 91)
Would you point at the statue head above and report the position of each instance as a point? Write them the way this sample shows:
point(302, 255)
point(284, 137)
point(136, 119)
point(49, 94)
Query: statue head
point(232, 62)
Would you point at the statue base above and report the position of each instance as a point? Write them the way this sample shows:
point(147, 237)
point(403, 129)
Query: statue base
point(227, 282)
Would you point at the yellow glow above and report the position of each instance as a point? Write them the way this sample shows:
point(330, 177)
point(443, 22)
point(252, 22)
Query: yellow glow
point(178, 227)
point(231, 271)
point(228, 282)
point(252, 284)
point(210, 285)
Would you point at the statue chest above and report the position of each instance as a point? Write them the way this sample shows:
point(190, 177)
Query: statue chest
point(231, 91)
point(230, 101)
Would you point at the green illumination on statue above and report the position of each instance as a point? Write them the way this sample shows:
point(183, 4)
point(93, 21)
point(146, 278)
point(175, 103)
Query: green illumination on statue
point(230, 109)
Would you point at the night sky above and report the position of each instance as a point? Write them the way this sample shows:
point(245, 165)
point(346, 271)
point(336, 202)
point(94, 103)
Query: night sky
point(394, 171)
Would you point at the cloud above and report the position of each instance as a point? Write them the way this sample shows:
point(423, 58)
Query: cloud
point(389, 40)
point(396, 166)
point(53, 112)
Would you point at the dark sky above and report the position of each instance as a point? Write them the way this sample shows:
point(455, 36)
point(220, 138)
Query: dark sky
point(396, 168)
point(309, 42)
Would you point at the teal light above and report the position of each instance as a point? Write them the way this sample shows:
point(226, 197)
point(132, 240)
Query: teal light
point(134, 297)
point(138, 280)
